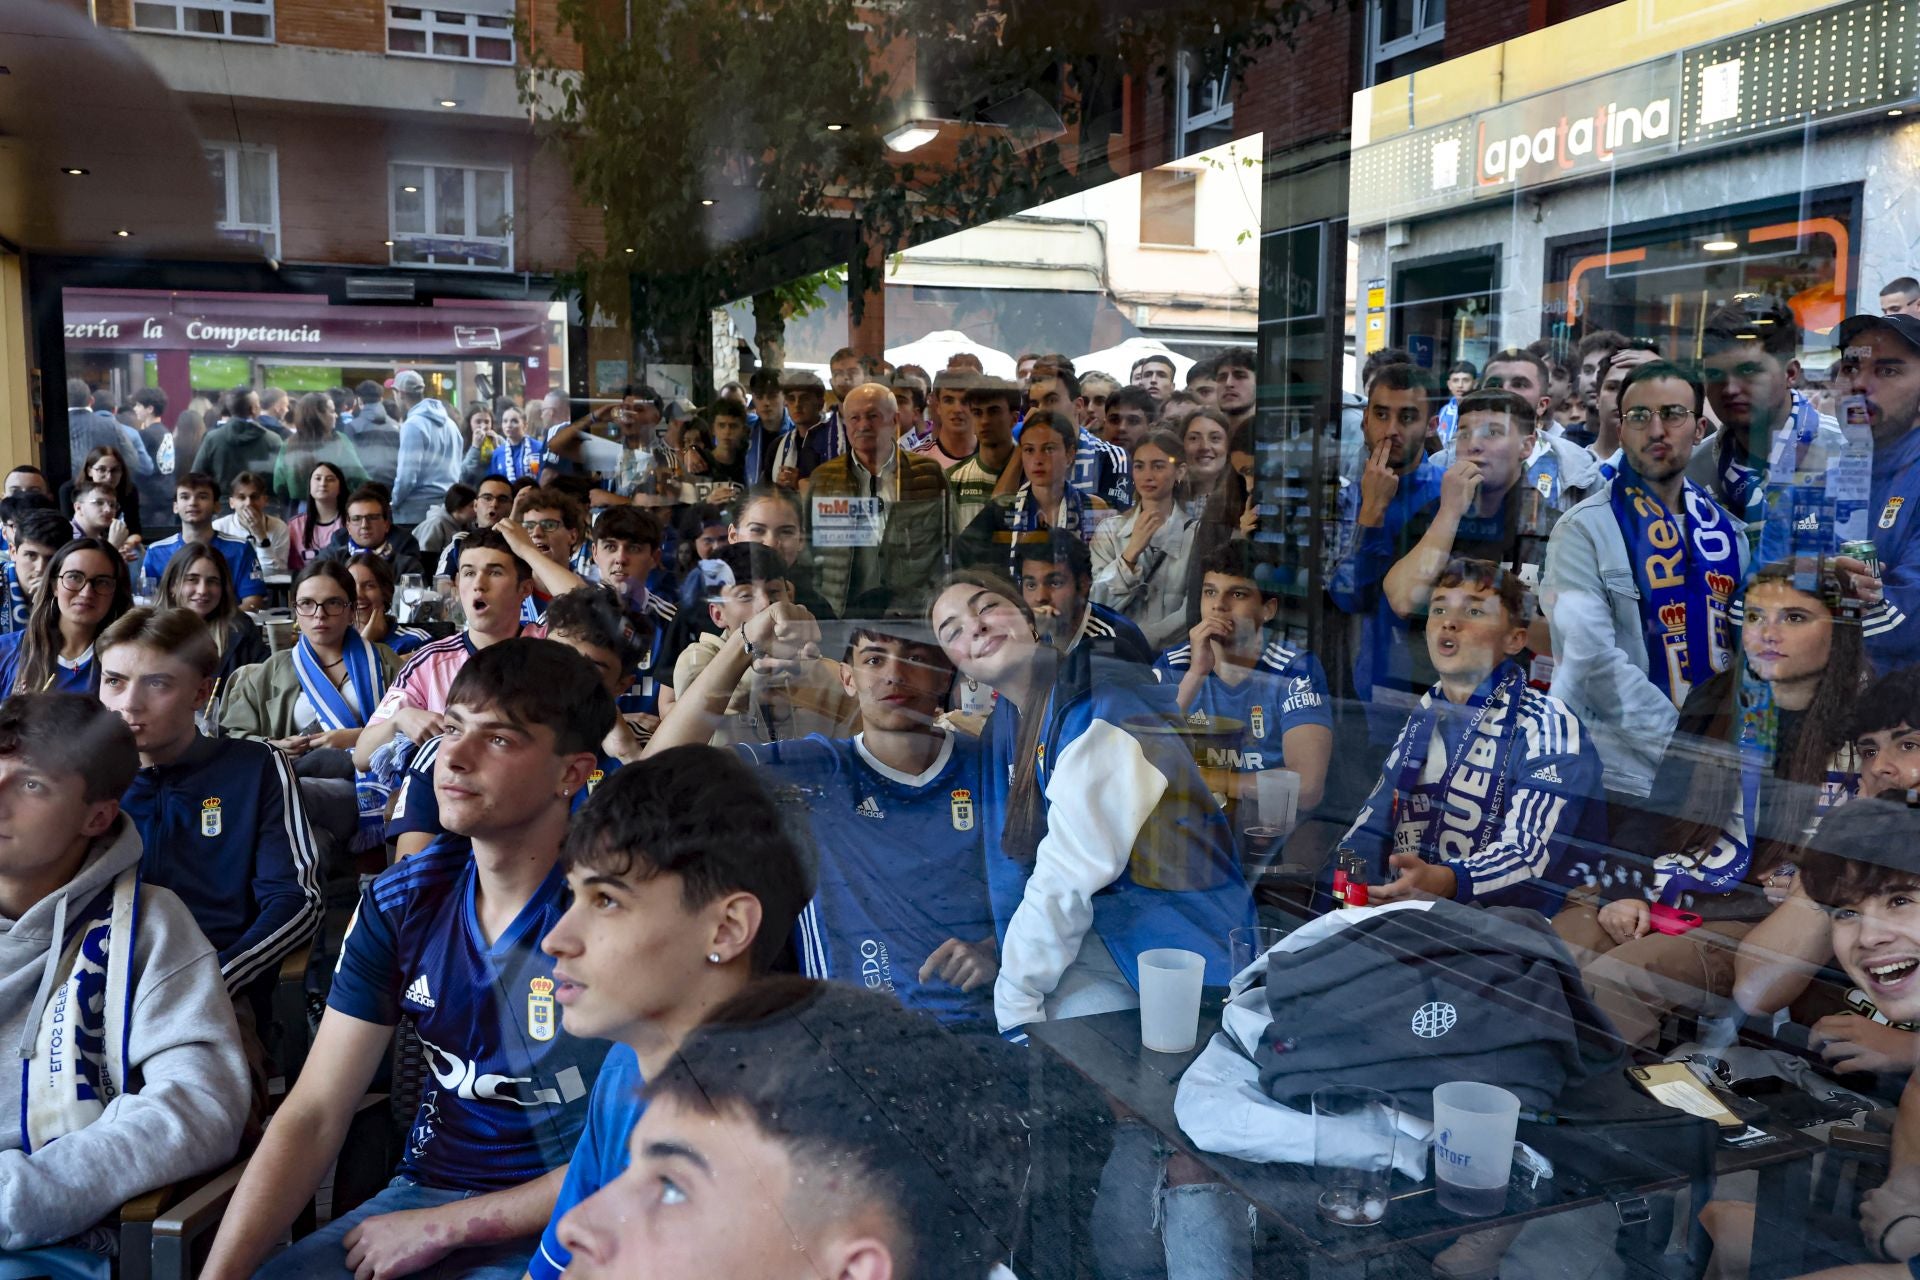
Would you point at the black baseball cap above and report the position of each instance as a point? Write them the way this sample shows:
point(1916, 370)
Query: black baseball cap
point(1905, 327)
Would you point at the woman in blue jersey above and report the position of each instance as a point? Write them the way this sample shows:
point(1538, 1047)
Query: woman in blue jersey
point(1109, 842)
point(86, 589)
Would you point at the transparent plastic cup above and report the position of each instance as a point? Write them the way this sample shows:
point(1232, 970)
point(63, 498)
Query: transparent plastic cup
point(1473, 1129)
point(1170, 982)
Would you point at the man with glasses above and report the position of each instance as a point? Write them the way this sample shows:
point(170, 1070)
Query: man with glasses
point(369, 528)
point(196, 496)
point(1639, 578)
point(492, 503)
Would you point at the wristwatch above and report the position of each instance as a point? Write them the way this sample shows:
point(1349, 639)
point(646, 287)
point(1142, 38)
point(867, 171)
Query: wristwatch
point(748, 645)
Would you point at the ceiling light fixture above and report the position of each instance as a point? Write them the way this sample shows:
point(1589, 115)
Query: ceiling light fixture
point(74, 171)
point(629, 251)
point(412, 191)
point(1720, 246)
point(1896, 112)
point(449, 102)
point(707, 203)
point(835, 128)
point(912, 135)
point(123, 233)
point(388, 243)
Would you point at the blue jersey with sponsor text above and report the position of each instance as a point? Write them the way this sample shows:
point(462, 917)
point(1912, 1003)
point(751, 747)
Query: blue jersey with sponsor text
point(900, 868)
point(506, 1094)
point(1285, 690)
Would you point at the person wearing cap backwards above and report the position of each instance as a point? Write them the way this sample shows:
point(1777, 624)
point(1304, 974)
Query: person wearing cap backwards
point(430, 451)
point(902, 903)
point(1880, 361)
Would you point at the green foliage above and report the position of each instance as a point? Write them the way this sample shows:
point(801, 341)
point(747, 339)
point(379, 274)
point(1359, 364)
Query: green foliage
point(728, 101)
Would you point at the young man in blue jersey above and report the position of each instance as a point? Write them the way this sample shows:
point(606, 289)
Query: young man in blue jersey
point(626, 551)
point(1056, 580)
point(1491, 781)
point(1232, 669)
point(196, 501)
point(587, 621)
point(745, 1164)
point(902, 902)
point(451, 938)
point(685, 888)
point(221, 819)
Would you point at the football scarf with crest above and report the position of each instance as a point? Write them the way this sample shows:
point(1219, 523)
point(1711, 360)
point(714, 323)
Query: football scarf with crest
point(1686, 581)
point(1445, 820)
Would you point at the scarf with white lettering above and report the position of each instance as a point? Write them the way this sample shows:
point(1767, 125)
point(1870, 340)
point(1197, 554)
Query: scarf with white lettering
point(1685, 581)
point(514, 460)
point(1464, 810)
point(74, 1050)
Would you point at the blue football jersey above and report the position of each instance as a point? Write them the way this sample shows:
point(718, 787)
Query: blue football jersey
point(601, 1156)
point(507, 1092)
point(900, 867)
point(656, 615)
point(1286, 690)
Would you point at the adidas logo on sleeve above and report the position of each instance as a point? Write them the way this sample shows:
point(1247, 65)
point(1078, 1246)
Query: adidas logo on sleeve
point(418, 994)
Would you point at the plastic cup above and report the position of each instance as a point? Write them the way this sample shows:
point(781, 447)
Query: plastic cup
point(1473, 1129)
point(1170, 981)
point(1353, 1140)
point(1247, 944)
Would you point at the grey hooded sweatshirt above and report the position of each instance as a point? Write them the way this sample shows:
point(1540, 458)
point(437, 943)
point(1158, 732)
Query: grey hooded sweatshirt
point(187, 1097)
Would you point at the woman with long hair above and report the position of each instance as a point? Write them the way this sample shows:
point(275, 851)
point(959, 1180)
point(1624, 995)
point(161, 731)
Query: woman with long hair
point(314, 441)
point(1140, 558)
point(85, 591)
point(505, 450)
point(1045, 499)
point(1110, 842)
point(103, 465)
point(198, 578)
point(319, 693)
point(189, 429)
point(323, 515)
point(1760, 754)
point(1204, 439)
point(373, 588)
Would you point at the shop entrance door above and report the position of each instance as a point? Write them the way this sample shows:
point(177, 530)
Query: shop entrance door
point(1442, 309)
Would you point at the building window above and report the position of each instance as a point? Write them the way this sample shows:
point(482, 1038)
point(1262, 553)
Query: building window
point(470, 33)
point(444, 216)
point(217, 19)
point(1202, 109)
point(1167, 206)
point(246, 187)
point(1404, 36)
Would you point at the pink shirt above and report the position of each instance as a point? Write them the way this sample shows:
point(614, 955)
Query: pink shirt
point(428, 676)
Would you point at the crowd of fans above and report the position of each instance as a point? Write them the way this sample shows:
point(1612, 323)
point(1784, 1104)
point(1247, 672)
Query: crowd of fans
point(951, 694)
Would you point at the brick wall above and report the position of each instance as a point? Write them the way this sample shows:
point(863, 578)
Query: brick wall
point(333, 185)
point(359, 26)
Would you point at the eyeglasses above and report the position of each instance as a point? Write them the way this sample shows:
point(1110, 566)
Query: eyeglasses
point(372, 519)
point(541, 526)
point(76, 582)
point(315, 608)
point(1671, 414)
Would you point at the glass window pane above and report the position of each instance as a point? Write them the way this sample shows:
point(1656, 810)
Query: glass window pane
point(217, 166)
point(493, 50)
point(409, 207)
point(256, 187)
point(210, 22)
point(411, 15)
point(401, 40)
point(156, 17)
point(449, 46)
point(252, 25)
point(450, 201)
point(490, 202)
point(450, 19)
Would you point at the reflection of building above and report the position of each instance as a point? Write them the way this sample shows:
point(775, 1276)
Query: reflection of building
point(1172, 253)
point(189, 343)
point(1701, 165)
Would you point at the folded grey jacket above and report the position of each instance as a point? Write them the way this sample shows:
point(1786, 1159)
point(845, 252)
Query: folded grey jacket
point(1402, 1000)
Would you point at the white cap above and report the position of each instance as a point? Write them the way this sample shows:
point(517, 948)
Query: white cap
point(410, 382)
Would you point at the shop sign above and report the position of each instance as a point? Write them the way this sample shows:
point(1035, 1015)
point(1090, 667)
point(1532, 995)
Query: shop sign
point(1576, 130)
point(135, 320)
point(1292, 282)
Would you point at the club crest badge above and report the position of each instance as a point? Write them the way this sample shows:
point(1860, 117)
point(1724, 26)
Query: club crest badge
point(1891, 512)
point(210, 816)
point(540, 1009)
point(962, 809)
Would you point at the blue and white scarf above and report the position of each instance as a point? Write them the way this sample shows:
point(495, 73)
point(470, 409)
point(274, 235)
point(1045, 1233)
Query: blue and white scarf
point(1448, 820)
point(19, 607)
point(1686, 581)
point(1775, 508)
point(333, 711)
point(514, 460)
point(78, 1061)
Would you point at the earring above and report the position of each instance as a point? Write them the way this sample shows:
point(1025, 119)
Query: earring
point(713, 957)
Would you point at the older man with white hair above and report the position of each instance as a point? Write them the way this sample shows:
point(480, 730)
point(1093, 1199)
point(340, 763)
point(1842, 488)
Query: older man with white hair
point(878, 518)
